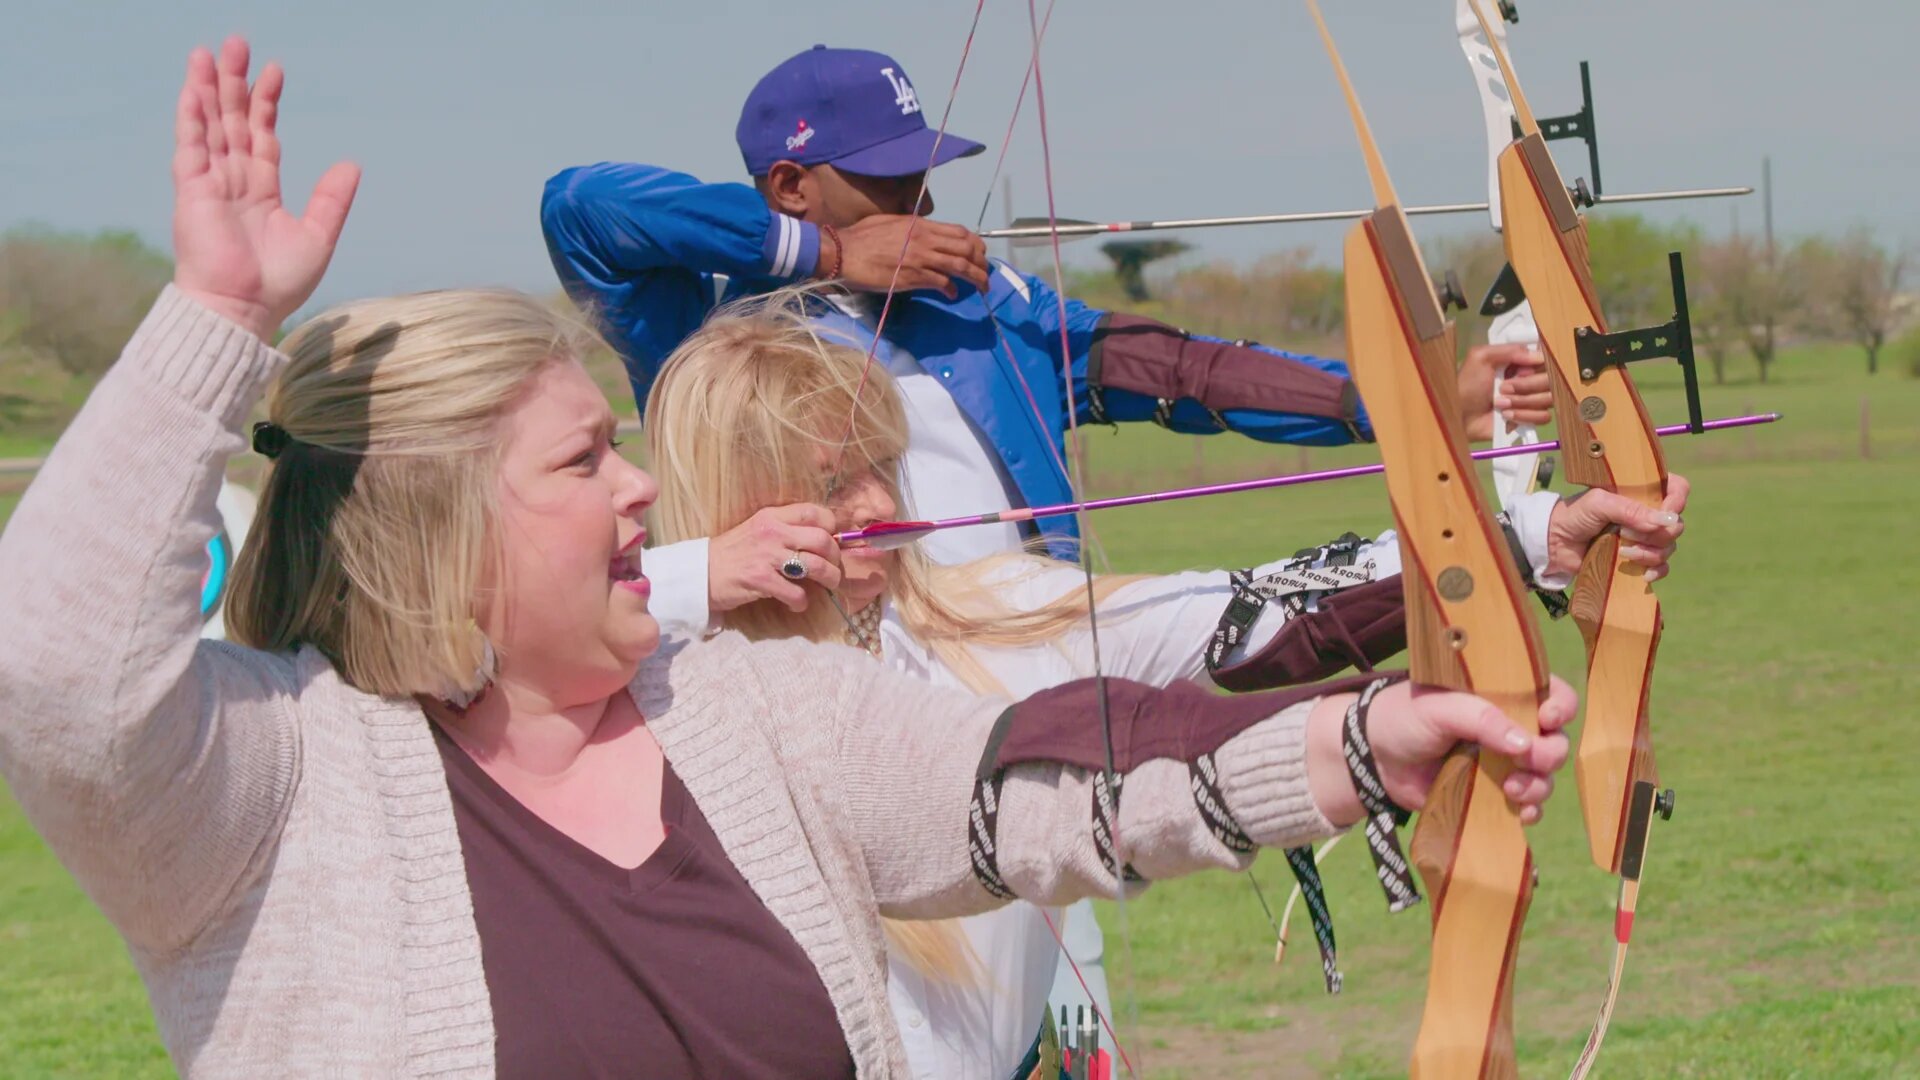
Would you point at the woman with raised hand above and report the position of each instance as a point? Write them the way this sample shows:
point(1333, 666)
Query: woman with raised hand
point(445, 806)
point(758, 409)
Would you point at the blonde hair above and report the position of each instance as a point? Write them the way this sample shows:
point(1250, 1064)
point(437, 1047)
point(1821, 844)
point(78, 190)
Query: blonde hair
point(737, 421)
point(740, 418)
point(375, 530)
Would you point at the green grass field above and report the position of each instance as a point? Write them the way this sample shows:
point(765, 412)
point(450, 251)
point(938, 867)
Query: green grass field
point(1779, 928)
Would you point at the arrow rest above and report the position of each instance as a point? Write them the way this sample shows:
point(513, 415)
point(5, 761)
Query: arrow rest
point(1504, 294)
point(1447, 292)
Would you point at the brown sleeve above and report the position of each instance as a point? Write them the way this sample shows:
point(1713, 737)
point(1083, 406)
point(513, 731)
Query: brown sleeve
point(1356, 627)
point(1152, 358)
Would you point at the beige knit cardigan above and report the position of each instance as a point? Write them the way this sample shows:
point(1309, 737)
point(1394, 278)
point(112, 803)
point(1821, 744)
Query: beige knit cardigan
point(278, 849)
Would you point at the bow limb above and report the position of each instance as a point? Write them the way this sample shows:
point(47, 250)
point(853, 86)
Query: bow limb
point(1468, 628)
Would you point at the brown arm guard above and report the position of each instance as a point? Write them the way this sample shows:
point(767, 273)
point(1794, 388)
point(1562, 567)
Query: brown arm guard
point(1159, 361)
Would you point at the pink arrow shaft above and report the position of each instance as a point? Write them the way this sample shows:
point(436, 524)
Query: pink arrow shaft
point(895, 533)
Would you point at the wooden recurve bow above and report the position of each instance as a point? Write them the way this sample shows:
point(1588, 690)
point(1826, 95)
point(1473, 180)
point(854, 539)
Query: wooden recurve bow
point(1469, 628)
point(1609, 443)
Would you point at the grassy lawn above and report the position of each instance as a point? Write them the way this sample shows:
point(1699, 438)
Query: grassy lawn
point(1778, 920)
point(1779, 929)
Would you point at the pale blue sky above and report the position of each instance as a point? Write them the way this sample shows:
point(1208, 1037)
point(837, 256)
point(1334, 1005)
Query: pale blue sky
point(459, 111)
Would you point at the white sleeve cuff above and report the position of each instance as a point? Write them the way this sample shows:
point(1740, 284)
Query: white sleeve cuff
point(679, 576)
point(1530, 516)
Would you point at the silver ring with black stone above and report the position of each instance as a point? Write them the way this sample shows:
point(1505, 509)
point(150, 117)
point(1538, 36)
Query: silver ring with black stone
point(794, 569)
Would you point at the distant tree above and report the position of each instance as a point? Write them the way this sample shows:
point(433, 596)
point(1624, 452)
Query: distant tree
point(1286, 300)
point(1714, 268)
point(78, 298)
point(1745, 296)
point(1130, 259)
point(1628, 254)
point(1854, 289)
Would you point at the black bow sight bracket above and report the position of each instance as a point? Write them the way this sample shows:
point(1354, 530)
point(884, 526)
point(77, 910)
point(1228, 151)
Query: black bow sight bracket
point(1672, 339)
point(1576, 125)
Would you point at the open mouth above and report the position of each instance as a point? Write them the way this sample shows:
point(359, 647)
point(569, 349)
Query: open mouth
point(626, 562)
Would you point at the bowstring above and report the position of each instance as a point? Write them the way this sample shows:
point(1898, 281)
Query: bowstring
point(1079, 460)
point(893, 284)
point(1019, 100)
point(1033, 72)
point(913, 220)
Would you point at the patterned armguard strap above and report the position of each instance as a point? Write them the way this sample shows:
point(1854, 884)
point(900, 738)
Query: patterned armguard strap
point(1383, 818)
point(1337, 613)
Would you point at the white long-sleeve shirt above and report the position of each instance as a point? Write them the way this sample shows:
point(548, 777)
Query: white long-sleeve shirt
point(1153, 631)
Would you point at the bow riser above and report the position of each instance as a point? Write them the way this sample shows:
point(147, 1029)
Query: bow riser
point(1545, 231)
point(1468, 629)
point(1607, 432)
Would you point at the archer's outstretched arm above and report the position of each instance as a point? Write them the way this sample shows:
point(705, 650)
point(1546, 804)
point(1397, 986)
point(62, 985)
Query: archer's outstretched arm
point(957, 804)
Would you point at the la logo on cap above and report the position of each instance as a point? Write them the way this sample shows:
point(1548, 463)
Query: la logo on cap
point(903, 94)
point(804, 135)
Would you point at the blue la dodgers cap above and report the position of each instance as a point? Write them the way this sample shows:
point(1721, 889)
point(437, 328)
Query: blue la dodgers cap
point(850, 107)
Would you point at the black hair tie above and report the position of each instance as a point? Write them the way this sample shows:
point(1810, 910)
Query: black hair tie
point(270, 439)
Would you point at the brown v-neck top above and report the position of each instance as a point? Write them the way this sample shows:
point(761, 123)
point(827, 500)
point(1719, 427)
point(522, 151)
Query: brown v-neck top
point(673, 969)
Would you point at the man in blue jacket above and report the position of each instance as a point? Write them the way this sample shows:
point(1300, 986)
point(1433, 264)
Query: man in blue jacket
point(838, 146)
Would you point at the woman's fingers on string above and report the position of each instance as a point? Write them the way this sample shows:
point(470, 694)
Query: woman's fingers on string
point(812, 538)
point(786, 592)
point(821, 571)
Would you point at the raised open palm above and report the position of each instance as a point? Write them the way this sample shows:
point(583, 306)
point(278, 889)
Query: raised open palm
point(236, 247)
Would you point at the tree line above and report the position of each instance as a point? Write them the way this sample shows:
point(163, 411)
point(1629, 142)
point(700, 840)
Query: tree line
point(69, 301)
